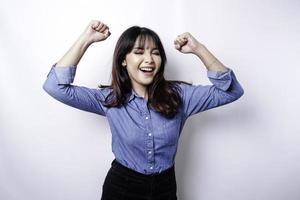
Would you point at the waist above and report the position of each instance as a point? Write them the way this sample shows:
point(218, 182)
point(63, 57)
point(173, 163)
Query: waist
point(121, 168)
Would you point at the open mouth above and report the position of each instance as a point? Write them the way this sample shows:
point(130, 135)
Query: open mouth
point(147, 70)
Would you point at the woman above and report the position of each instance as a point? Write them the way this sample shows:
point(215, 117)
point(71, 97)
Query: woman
point(146, 113)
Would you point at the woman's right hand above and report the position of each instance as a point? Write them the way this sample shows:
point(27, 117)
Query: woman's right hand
point(96, 31)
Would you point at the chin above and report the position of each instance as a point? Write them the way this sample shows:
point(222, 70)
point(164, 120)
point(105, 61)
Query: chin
point(147, 83)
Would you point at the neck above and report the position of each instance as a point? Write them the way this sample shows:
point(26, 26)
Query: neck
point(141, 91)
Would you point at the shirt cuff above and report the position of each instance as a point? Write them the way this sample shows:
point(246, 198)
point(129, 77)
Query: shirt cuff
point(65, 75)
point(221, 79)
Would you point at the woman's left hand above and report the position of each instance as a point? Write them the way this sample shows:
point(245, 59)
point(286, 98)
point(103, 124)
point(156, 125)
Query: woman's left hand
point(186, 43)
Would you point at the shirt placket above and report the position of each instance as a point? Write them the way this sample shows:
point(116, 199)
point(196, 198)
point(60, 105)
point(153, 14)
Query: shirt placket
point(149, 137)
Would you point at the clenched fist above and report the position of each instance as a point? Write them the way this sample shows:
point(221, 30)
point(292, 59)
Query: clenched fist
point(186, 43)
point(96, 31)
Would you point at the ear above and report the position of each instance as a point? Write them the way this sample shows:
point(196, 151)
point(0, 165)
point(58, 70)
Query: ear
point(124, 63)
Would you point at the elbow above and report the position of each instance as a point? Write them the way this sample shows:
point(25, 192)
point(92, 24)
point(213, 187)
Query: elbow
point(47, 87)
point(237, 90)
point(234, 95)
point(59, 92)
point(52, 89)
point(240, 93)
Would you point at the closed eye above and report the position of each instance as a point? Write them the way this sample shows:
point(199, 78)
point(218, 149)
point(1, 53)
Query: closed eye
point(138, 52)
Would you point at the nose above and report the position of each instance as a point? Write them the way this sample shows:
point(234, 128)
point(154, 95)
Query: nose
point(148, 58)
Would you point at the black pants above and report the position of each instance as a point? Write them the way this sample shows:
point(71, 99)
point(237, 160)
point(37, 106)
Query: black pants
point(122, 183)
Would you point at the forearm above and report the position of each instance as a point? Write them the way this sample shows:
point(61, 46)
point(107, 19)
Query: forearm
point(209, 60)
point(75, 53)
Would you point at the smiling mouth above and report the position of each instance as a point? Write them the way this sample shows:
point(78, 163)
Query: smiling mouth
point(147, 70)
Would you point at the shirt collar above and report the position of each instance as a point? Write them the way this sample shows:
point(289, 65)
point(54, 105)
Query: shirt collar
point(133, 94)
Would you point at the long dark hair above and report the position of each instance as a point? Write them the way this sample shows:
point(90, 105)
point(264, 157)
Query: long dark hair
point(163, 95)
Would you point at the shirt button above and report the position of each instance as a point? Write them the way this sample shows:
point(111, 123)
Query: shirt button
point(147, 117)
point(149, 152)
point(151, 167)
point(149, 134)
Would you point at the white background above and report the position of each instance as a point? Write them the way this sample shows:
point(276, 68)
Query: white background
point(246, 150)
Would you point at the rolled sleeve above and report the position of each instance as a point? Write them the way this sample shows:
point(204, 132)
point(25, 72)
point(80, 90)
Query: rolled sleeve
point(198, 98)
point(221, 80)
point(65, 75)
point(58, 85)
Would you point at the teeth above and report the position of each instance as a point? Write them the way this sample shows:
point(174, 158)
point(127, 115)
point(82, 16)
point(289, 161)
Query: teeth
point(148, 69)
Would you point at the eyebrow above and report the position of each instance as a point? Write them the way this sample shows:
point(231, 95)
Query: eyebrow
point(141, 48)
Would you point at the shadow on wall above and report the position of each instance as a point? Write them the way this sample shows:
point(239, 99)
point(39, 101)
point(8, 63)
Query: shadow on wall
point(191, 139)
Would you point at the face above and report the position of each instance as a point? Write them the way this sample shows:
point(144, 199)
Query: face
point(142, 63)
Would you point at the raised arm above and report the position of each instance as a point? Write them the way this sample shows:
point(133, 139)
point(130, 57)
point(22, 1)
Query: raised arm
point(96, 31)
point(225, 88)
point(61, 75)
point(186, 43)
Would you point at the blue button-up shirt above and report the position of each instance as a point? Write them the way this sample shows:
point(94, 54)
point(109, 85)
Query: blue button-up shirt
point(142, 139)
